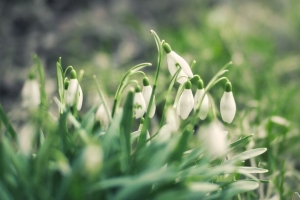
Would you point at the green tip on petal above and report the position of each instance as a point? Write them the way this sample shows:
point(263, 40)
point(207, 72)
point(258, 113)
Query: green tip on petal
point(200, 84)
point(138, 89)
point(31, 76)
point(167, 47)
point(73, 74)
point(188, 85)
point(146, 81)
point(66, 83)
point(228, 87)
point(142, 120)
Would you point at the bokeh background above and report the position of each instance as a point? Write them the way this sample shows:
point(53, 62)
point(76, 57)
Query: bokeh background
point(105, 38)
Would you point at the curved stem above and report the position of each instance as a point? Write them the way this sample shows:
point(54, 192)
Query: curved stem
point(137, 72)
point(142, 139)
point(69, 67)
point(124, 80)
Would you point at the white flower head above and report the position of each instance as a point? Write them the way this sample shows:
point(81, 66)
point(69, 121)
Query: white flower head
point(31, 93)
point(25, 138)
point(93, 158)
point(102, 117)
point(205, 102)
point(173, 59)
point(227, 104)
point(147, 90)
point(139, 104)
point(186, 101)
point(73, 92)
point(172, 119)
point(215, 138)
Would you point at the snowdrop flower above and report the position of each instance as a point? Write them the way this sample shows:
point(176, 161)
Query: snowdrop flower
point(171, 126)
point(173, 60)
point(215, 138)
point(73, 91)
point(186, 101)
point(147, 90)
point(205, 102)
point(93, 158)
point(227, 104)
point(139, 104)
point(102, 117)
point(31, 93)
point(25, 138)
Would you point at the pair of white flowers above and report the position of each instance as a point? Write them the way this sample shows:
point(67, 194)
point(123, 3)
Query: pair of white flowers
point(187, 102)
point(141, 100)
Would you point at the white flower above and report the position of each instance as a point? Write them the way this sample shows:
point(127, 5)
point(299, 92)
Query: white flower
point(102, 117)
point(147, 90)
point(227, 104)
point(172, 119)
point(205, 103)
point(173, 59)
point(214, 138)
point(186, 102)
point(172, 125)
point(74, 93)
point(93, 158)
point(139, 104)
point(25, 138)
point(31, 94)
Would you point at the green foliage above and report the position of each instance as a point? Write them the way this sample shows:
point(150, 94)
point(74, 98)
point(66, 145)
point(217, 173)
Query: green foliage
point(72, 157)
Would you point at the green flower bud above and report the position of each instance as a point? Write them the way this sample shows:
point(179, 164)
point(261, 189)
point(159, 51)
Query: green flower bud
point(138, 89)
point(146, 81)
point(73, 74)
point(167, 48)
point(228, 87)
point(188, 85)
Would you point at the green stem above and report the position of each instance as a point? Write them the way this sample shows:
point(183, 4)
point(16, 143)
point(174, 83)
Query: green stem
point(7, 124)
point(102, 98)
point(124, 80)
point(142, 138)
point(69, 67)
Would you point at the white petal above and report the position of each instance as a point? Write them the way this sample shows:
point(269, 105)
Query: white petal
point(31, 94)
point(25, 137)
point(102, 117)
point(172, 119)
point(205, 103)
point(139, 105)
point(70, 94)
point(147, 90)
point(93, 158)
point(80, 98)
point(181, 77)
point(164, 134)
point(227, 107)
point(214, 138)
point(183, 64)
point(186, 103)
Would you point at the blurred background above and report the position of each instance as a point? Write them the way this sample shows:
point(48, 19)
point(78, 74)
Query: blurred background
point(105, 38)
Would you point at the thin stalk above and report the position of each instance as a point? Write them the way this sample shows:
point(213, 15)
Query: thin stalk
point(124, 80)
point(142, 138)
point(102, 98)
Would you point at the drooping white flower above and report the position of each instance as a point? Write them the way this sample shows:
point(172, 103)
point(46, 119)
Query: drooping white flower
point(227, 104)
point(215, 138)
point(205, 102)
point(186, 101)
point(102, 117)
point(173, 59)
point(31, 93)
point(25, 138)
point(93, 158)
point(139, 104)
point(73, 93)
point(147, 90)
